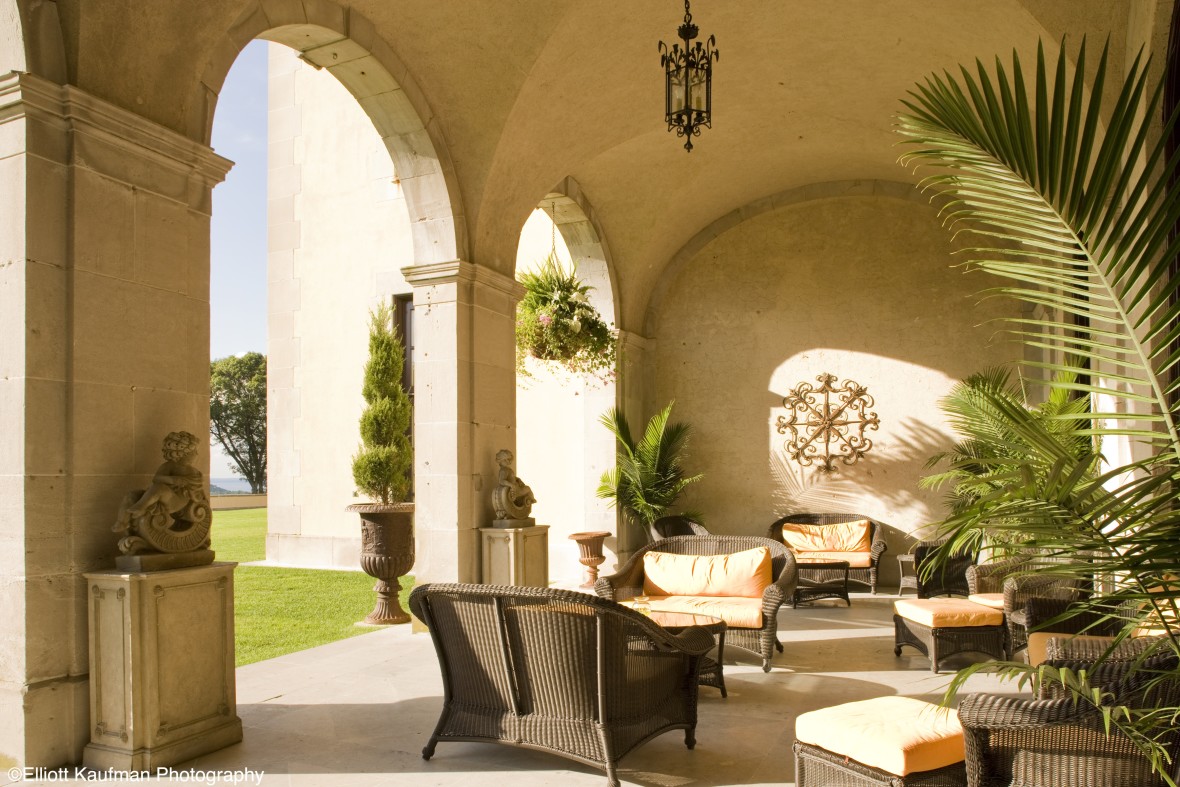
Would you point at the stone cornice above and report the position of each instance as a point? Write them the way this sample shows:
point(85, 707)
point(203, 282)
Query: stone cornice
point(461, 271)
point(30, 95)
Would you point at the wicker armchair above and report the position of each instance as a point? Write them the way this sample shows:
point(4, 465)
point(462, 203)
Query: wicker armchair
point(628, 583)
point(1063, 647)
point(865, 576)
point(1005, 576)
point(950, 580)
point(1016, 742)
point(558, 671)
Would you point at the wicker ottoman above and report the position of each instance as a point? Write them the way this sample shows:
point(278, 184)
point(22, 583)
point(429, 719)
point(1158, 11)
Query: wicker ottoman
point(894, 741)
point(943, 627)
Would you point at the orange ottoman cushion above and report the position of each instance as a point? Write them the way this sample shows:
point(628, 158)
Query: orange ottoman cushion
point(947, 612)
point(899, 735)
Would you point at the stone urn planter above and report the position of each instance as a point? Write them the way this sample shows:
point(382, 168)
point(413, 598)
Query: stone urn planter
point(590, 549)
point(387, 553)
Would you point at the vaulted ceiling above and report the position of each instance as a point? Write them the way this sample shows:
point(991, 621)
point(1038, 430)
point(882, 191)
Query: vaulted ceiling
point(528, 92)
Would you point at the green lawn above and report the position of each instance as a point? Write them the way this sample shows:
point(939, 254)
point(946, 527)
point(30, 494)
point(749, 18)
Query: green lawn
point(282, 610)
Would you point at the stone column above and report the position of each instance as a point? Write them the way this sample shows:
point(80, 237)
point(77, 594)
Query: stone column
point(464, 409)
point(104, 348)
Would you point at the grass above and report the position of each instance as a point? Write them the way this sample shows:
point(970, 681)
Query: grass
point(284, 610)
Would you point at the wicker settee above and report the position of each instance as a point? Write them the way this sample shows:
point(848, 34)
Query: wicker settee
point(559, 671)
point(862, 564)
point(763, 640)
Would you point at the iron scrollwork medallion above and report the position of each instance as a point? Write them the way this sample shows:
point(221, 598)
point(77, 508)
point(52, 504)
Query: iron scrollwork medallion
point(827, 424)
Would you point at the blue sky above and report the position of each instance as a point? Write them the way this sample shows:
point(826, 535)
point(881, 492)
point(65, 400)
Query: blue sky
point(238, 237)
point(237, 287)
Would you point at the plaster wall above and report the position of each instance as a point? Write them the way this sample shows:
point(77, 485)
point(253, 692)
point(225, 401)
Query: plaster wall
point(338, 233)
point(860, 287)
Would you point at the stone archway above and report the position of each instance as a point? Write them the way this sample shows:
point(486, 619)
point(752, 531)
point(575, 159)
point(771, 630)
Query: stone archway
point(343, 42)
point(465, 399)
point(558, 408)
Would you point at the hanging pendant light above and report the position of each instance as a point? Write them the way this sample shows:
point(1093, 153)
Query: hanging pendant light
point(688, 82)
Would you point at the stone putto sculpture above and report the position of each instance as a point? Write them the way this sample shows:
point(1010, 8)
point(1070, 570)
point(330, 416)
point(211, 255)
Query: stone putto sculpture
point(172, 515)
point(512, 499)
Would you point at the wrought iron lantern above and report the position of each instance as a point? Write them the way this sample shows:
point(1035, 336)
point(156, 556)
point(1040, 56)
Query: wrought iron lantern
point(688, 82)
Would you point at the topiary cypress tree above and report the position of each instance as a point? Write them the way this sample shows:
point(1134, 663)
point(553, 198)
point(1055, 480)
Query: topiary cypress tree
point(382, 466)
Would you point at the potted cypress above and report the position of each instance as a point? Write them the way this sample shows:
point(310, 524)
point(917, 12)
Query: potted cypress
point(382, 470)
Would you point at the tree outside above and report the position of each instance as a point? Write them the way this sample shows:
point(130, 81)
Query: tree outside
point(237, 414)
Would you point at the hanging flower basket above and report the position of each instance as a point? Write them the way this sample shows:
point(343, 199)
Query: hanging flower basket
point(555, 322)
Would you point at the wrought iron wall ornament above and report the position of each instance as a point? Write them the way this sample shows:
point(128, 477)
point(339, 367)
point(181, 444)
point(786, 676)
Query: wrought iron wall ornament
point(827, 424)
point(688, 82)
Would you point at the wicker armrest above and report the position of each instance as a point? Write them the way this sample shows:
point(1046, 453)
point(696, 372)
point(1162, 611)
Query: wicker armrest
point(1062, 651)
point(1018, 589)
point(989, 577)
point(626, 583)
point(880, 545)
point(1044, 614)
point(782, 589)
point(992, 711)
point(694, 641)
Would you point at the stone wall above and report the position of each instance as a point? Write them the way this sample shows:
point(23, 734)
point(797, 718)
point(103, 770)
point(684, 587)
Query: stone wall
point(857, 286)
point(338, 233)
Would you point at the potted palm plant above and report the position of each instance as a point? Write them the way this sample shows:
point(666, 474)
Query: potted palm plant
point(382, 469)
point(648, 475)
point(1072, 204)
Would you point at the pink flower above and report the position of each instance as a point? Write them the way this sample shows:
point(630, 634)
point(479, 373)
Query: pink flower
point(545, 320)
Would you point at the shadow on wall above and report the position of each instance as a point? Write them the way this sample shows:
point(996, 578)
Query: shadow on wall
point(799, 489)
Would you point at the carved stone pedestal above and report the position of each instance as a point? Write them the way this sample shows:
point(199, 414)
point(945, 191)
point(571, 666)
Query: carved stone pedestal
point(162, 685)
point(516, 556)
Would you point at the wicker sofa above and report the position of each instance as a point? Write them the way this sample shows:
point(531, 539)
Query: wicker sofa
point(763, 639)
point(863, 561)
point(559, 671)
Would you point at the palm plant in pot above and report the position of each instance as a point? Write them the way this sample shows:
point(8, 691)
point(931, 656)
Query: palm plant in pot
point(1073, 206)
point(648, 475)
point(382, 469)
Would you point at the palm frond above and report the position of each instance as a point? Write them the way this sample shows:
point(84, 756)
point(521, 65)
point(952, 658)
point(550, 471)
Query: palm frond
point(1068, 217)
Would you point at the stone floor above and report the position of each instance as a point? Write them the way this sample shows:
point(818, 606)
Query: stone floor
point(357, 712)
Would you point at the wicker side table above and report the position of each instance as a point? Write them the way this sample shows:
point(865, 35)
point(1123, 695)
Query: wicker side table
point(907, 572)
point(821, 578)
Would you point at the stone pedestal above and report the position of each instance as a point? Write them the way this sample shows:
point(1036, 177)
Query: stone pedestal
point(516, 555)
point(162, 685)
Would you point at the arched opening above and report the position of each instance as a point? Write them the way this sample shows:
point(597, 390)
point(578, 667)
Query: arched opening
point(562, 449)
point(338, 236)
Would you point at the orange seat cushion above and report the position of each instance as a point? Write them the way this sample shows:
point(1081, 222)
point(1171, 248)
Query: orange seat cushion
point(947, 612)
point(854, 536)
point(743, 574)
point(738, 613)
point(900, 735)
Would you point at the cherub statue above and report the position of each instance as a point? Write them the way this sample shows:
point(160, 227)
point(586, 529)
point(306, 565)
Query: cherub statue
point(171, 515)
point(512, 498)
